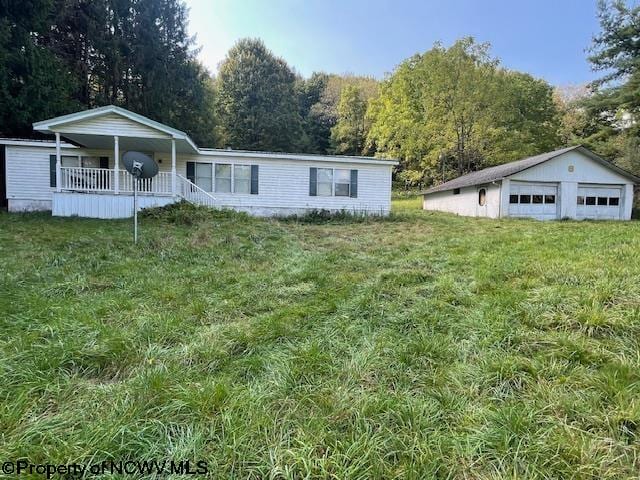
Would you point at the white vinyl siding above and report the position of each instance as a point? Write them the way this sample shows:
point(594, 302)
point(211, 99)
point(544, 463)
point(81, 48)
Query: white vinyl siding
point(110, 124)
point(28, 172)
point(284, 186)
point(283, 183)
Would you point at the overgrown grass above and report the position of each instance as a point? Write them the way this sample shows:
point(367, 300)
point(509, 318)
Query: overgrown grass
point(430, 346)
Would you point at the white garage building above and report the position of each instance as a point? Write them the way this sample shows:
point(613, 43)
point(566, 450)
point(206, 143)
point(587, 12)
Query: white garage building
point(568, 183)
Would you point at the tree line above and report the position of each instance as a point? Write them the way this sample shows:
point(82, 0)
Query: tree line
point(442, 113)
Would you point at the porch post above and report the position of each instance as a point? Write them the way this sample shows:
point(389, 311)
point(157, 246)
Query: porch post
point(173, 166)
point(116, 165)
point(58, 164)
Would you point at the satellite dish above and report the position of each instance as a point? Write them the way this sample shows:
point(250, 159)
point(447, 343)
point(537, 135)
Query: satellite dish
point(140, 165)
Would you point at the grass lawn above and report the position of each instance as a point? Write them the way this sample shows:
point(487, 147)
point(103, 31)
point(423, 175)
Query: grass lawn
point(424, 345)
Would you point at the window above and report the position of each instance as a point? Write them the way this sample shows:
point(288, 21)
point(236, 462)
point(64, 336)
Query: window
point(242, 179)
point(525, 198)
point(614, 201)
point(602, 200)
point(513, 198)
point(325, 182)
point(549, 199)
point(223, 178)
point(203, 176)
point(456, 191)
point(343, 182)
point(591, 200)
point(482, 197)
point(537, 199)
point(70, 161)
point(580, 200)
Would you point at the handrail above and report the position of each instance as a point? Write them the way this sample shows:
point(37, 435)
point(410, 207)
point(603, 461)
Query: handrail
point(193, 193)
point(101, 180)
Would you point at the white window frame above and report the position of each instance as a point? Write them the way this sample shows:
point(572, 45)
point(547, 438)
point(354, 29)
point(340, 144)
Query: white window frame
point(215, 177)
point(233, 178)
point(195, 174)
point(348, 170)
point(333, 181)
point(318, 182)
point(233, 166)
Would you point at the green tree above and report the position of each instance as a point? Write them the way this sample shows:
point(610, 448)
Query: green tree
point(34, 83)
point(257, 103)
point(60, 56)
point(613, 107)
point(455, 109)
point(317, 130)
point(137, 54)
point(348, 134)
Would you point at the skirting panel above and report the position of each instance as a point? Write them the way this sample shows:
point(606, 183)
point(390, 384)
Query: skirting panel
point(91, 205)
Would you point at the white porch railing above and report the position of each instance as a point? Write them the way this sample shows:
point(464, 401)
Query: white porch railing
point(86, 179)
point(82, 179)
point(101, 180)
point(193, 193)
point(159, 185)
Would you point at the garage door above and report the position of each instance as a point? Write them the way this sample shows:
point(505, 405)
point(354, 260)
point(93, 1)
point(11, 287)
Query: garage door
point(599, 203)
point(533, 200)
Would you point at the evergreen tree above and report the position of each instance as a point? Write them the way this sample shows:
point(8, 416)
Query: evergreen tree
point(257, 102)
point(34, 83)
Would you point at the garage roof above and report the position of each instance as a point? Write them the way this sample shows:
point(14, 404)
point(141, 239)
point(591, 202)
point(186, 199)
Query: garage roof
point(499, 172)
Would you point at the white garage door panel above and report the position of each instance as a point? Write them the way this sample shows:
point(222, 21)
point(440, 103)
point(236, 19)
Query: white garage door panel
point(599, 203)
point(533, 200)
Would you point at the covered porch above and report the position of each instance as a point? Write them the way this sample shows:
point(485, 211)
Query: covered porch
point(83, 182)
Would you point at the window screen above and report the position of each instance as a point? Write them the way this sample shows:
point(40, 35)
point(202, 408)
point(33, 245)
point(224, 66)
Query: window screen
point(223, 178)
point(242, 179)
point(343, 182)
point(325, 182)
point(203, 176)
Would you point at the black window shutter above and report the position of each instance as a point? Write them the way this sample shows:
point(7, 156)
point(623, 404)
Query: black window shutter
point(254, 179)
point(313, 181)
point(52, 170)
point(191, 171)
point(354, 184)
point(104, 162)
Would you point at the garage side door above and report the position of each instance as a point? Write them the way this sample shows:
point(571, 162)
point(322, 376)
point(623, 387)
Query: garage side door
point(533, 200)
point(599, 203)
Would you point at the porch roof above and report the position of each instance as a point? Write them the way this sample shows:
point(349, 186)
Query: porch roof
point(96, 128)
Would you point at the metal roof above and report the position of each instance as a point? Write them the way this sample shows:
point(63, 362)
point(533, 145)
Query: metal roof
point(499, 172)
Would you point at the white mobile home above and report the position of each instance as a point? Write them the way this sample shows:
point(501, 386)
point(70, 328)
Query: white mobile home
point(568, 183)
point(80, 172)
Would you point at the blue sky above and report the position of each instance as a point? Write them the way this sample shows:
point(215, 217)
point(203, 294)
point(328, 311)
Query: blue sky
point(546, 38)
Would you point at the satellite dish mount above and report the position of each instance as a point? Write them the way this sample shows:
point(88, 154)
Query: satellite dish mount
point(140, 166)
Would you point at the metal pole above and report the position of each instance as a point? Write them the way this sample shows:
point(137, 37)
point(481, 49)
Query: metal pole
point(135, 210)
